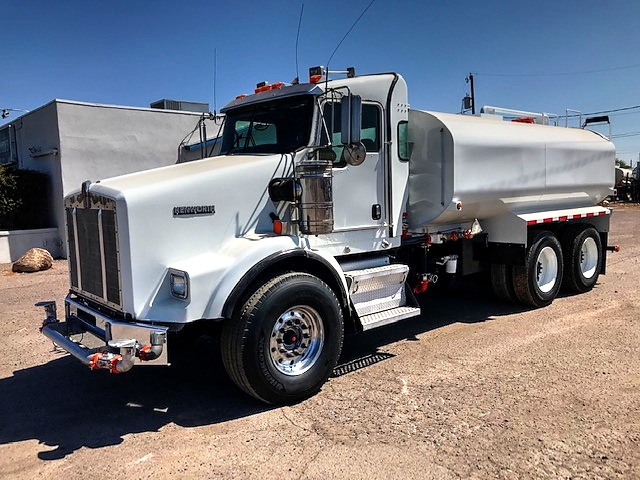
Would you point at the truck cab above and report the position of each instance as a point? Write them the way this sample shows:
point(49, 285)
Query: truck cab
point(298, 120)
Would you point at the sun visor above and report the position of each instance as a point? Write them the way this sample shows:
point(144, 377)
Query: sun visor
point(286, 91)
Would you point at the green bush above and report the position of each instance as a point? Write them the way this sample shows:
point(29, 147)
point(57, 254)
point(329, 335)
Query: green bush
point(24, 199)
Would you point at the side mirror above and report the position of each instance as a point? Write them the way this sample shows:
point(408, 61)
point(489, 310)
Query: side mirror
point(354, 154)
point(351, 107)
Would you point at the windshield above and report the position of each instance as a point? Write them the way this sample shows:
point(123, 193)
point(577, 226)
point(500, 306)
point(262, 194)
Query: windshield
point(277, 126)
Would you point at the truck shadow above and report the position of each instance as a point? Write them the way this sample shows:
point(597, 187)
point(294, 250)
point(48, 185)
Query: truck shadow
point(462, 301)
point(65, 407)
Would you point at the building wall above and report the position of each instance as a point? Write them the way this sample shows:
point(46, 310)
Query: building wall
point(37, 146)
point(98, 141)
point(73, 142)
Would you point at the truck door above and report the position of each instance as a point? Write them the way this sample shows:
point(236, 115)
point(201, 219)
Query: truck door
point(358, 191)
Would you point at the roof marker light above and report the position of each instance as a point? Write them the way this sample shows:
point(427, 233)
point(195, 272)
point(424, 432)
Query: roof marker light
point(315, 74)
point(262, 87)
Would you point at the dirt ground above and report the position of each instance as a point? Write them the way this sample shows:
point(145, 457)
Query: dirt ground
point(471, 389)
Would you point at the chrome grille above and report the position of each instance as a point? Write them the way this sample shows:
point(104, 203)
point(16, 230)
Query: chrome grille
point(94, 264)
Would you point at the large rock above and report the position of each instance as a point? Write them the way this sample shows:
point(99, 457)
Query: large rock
point(34, 260)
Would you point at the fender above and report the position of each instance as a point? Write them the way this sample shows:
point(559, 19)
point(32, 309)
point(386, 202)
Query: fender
point(217, 281)
point(320, 263)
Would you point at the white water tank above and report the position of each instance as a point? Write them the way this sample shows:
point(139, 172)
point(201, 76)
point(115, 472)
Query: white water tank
point(488, 167)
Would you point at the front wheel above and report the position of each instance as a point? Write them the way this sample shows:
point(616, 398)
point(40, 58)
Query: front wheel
point(282, 345)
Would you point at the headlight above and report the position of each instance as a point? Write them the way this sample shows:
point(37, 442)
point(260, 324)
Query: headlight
point(179, 284)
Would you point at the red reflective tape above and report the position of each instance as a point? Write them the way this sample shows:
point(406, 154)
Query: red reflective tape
point(564, 218)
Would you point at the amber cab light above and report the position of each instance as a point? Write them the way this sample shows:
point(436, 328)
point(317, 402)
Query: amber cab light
point(315, 74)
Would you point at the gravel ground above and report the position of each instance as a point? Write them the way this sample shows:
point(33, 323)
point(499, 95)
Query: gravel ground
point(471, 389)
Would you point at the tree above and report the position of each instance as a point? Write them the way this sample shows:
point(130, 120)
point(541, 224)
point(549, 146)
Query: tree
point(622, 163)
point(23, 199)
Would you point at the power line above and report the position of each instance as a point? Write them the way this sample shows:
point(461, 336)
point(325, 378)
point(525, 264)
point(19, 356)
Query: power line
point(558, 74)
point(625, 135)
point(603, 112)
point(625, 113)
point(614, 110)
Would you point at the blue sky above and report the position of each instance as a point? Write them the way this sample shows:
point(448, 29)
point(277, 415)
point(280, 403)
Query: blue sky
point(136, 52)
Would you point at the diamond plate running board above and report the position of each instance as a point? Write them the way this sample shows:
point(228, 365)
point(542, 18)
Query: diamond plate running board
point(387, 317)
point(377, 289)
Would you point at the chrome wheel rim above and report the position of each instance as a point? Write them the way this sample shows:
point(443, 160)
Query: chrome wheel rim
point(546, 269)
point(296, 340)
point(588, 258)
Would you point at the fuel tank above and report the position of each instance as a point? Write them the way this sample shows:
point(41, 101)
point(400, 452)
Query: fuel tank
point(466, 167)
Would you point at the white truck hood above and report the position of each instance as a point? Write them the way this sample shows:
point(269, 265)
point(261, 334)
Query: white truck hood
point(169, 215)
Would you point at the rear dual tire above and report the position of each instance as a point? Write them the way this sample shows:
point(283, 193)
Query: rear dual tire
point(573, 264)
point(502, 282)
point(582, 249)
point(537, 282)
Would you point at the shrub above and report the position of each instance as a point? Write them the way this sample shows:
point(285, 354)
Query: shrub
point(24, 199)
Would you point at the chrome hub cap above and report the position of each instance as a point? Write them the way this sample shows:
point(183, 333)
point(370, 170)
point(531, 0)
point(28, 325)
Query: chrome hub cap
point(296, 340)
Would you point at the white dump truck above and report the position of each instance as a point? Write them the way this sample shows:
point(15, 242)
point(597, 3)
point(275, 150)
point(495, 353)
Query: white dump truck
point(331, 205)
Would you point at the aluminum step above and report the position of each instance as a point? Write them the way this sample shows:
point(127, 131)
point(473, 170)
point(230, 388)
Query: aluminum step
point(375, 278)
point(377, 289)
point(387, 317)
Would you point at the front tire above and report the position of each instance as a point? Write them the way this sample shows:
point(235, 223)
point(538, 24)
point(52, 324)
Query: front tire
point(537, 282)
point(284, 342)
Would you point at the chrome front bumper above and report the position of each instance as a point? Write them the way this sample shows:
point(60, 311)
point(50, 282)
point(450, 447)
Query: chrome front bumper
point(101, 342)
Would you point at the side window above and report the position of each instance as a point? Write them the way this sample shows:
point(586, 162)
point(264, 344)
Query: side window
point(369, 134)
point(403, 141)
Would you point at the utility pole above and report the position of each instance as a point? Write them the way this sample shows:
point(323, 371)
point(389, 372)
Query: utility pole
point(469, 102)
point(473, 95)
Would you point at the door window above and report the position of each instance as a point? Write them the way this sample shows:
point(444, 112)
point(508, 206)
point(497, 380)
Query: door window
point(369, 133)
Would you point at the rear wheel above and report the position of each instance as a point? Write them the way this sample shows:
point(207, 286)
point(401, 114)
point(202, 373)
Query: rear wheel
point(282, 345)
point(502, 282)
point(582, 250)
point(537, 282)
